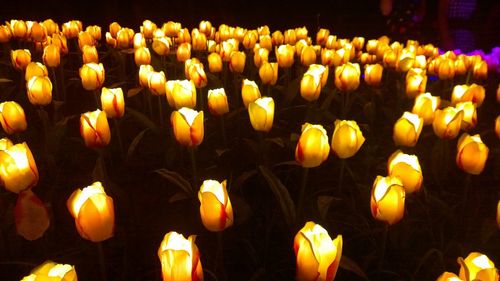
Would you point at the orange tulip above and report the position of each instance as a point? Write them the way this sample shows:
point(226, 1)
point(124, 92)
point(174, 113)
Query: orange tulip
point(52, 271)
point(188, 126)
point(447, 122)
point(92, 76)
point(215, 207)
point(217, 102)
point(249, 92)
point(180, 258)
point(94, 128)
point(161, 46)
point(474, 93)
point(237, 62)
point(35, 69)
point(321, 36)
point(148, 27)
point(425, 105)
point(446, 69)
point(347, 77)
point(71, 28)
point(268, 73)
point(407, 129)
point(5, 34)
point(20, 58)
point(407, 168)
point(89, 54)
point(308, 55)
point(183, 52)
point(260, 56)
point(373, 74)
point(113, 103)
point(142, 56)
point(31, 216)
point(156, 82)
point(18, 28)
point(214, 63)
point(144, 71)
point(124, 38)
point(93, 212)
point(388, 199)
point(284, 55)
point(448, 276)
point(477, 266)
point(39, 90)
point(181, 93)
point(469, 117)
point(261, 112)
point(197, 74)
point(12, 117)
point(18, 169)
point(347, 139)
point(472, 154)
point(85, 39)
point(416, 82)
point(94, 31)
point(313, 147)
point(480, 70)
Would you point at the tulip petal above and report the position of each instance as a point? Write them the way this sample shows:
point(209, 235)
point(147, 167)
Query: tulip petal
point(31, 216)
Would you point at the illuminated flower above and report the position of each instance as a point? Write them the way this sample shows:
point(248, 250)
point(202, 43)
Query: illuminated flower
point(425, 105)
point(373, 74)
point(472, 154)
point(215, 207)
point(313, 147)
point(142, 56)
point(144, 71)
point(217, 102)
point(156, 82)
point(18, 169)
point(12, 117)
point(214, 63)
point(237, 62)
point(183, 52)
point(188, 126)
point(347, 139)
point(94, 128)
point(284, 55)
point(52, 271)
point(261, 113)
point(308, 56)
point(407, 129)
point(180, 258)
point(89, 54)
point(469, 117)
point(249, 92)
point(448, 276)
point(474, 93)
point(113, 103)
point(447, 122)
point(477, 266)
point(20, 58)
point(388, 199)
point(39, 90)
point(347, 76)
point(407, 168)
point(92, 76)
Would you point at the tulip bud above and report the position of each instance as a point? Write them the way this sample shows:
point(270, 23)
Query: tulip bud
point(161, 46)
point(321, 36)
point(144, 71)
point(448, 276)
point(148, 27)
point(12, 117)
point(313, 147)
point(94, 31)
point(347, 76)
point(52, 271)
point(5, 34)
point(290, 37)
point(71, 28)
point(51, 55)
point(469, 117)
point(284, 55)
point(39, 90)
point(318, 256)
point(388, 199)
point(446, 69)
point(250, 39)
point(249, 92)
point(188, 126)
point(474, 93)
point(407, 168)
point(268, 73)
point(60, 41)
point(113, 103)
point(93, 212)
point(18, 169)
point(181, 93)
point(19, 28)
point(217, 102)
point(347, 139)
point(416, 82)
point(237, 62)
point(308, 55)
point(94, 128)
point(85, 39)
point(5, 143)
point(114, 28)
point(215, 207)
point(35, 69)
point(266, 42)
point(183, 52)
point(407, 129)
point(310, 86)
point(447, 122)
point(477, 266)
point(89, 54)
point(196, 73)
point(142, 56)
point(373, 74)
point(156, 82)
point(20, 58)
point(214, 63)
point(472, 154)
point(261, 113)
point(480, 70)
point(31, 216)
point(425, 105)
point(92, 76)
point(180, 258)
point(124, 38)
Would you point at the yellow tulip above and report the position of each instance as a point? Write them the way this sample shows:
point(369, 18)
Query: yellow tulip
point(92, 76)
point(20, 58)
point(347, 139)
point(94, 31)
point(50, 26)
point(181, 93)
point(284, 55)
point(261, 112)
point(237, 62)
point(313, 147)
point(31, 216)
point(420, 62)
point(183, 52)
point(93, 212)
point(196, 73)
point(18, 169)
point(71, 28)
point(12, 117)
point(260, 56)
point(472, 154)
point(447, 122)
point(161, 46)
point(268, 73)
point(388, 199)
point(308, 55)
point(205, 27)
point(215, 207)
point(156, 82)
point(469, 117)
point(217, 102)
point(18, 28)
point(85, 39)
point(416, 82)
point(171, 28)
point(124, 38)
point(214, 63)
point(321, 36)
point(199, 40)
point(407, 168)
point(318, 256)
point(425, 105)
point(407, 129)
point(180, 258)
point(113, 103)
point(148, 27)
point(39, 90)
point(188, 126)
point(290, 36)
point(327, 57)
point(446, 69)
point(480, 70)
point(35, 69)
point(474, 93)
point(249, 92)
point(5, 143)
point(477, 266)
point(5, 34)
point(277, 38)
point(94, 128)
point(448, 276)
point(347, 76)
point(144, 71)
point(52, 271)
point(310, 86)
point(114, 28)
point(142, 56)
point(250, 39)
point(89, 54)
point(373, 74)
point(184, 37)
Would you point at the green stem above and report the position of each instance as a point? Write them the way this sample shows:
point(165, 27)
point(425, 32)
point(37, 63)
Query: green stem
point(192, 157)
point(303, 185)
point(102, 264)
point(469, 75)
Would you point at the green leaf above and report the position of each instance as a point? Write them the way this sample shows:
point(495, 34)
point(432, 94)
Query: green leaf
point(142, 118)
point(135, 142)
point(350, 265)
point(281, 194)
point(176, 179)
point(134, 91)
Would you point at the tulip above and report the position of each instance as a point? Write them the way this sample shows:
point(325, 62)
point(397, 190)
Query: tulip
point(113, 103)
point(260, 56)
point(171, 28)
point(250, 39)
point(114, 28)
point(156, 82)
point(18, 169)
point(416, 82)
point(477, 266)
point(188, 126)
point(147, 28)
point(181, 93)
point(183, 52)
point(89, 54)
point(420, 62)
point(447, 122)
point(93, 212)
point(199, 40)
point(197, 74)
point(5, 143)
point(318, 256)
point(5, 34)
point(20, 58)
point(407, 168)
point(161, 46)
point(312, 148)
point(266, 42)
point(347, 138)
point(308, 56)
point(94, 128)
point(39, 90)
point(462, 93)
point(144, 71)
point(184, 37)
point(31, 216)
point(310, 86)
point(347, 77)
point(268, 73)
point(425, 105)
point(284, 55)
point(446, 69)
point(18, 28)
point(214, 63)
point(407, 129)
point(277, 38)
point(215, 207)
point(388, 199)
point(237, 62)
point(51, 55)
point(35, 69)
point(12, 117)
point(52, 271)
point(180, 258)
point(405, 61)
point(142, 56)
point(373, 74)
point(261, 112)
point(497, 126)
point(472, 154)
point(448, 276)
point(249, 92)
point(217, 102)
point(71, 28)
point(498, 214)
point(51, 26)
point(327, 57)
point(469, 117)
point(124, 38)
point(94, 31)
point(480, 70)
point(321, 36)
point(331, 42)
point(92, 76)
point(85, 39)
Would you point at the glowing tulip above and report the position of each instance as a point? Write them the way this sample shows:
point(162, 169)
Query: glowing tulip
point(407, 129)
point(51, 26)
point(469, 117)
point(477, 266)
point(181, 93)
point(113, 103)
point(347, 139)
point(277, 38)
point(142, 56)
point(180, 258)
point(71, 28)
point(12, 117)
point(156, 82)
point(94, 128)
point(197, 74)
point(85, 39)
point(472, 154)
point(318, 256)
point(35, 69)
point(497, 126)
point(89, 54)
point(183, 52)
point(313, 147)
point(31, 216)
point(92, 76)
point(215, 207)
point(94, 31)
point(18, 28)
point(39, 90)
point(199, 40)
point(52, 271)
point(268, 73)
point(217, 102)
point(20, 58)
point(498, 214)
point(388, 199)
point(148, 27)
point(448, 276)
point(373, 74)
point(308, 56)
point(480, 70)
point(260, 56)
point(321, 36)
point(5, 34)
point(214, 63)
point(237, 62)
point(250, 39)
point(425, 105)
point(61, 42)
point(188, 126)
point(416, 82)
point(312, 82)
point(261, 112)
point(161, 46)
point(407, 168)
point(347, 76)
point(327, 57)
point(124, 38)
point(18, 169)
point(171, 28)
point(284, 55)
point(447, 122)
point(93, 212)
point(144, 71)
point(114, 28)
point(474, 93)
point(249, 92)
point(446, 69)
point(5, 143)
